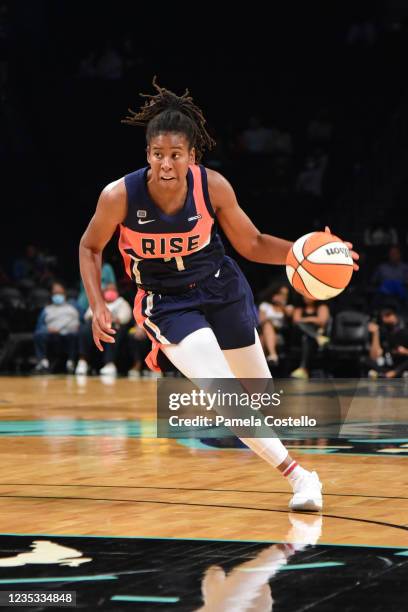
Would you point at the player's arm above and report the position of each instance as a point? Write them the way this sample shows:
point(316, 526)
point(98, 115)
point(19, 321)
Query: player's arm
point(110, 211)
point(241, 232)
point(238, 227)
point(375, 350)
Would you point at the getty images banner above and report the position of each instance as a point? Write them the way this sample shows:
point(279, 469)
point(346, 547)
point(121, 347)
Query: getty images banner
point(252, 408)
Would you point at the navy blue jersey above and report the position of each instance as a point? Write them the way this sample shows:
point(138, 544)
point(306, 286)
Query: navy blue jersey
point(169, 251)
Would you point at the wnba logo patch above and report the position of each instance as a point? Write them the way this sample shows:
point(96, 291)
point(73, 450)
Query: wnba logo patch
point(141, 214)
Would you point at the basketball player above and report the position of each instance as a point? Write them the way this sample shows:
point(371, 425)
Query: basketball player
point(192, 300)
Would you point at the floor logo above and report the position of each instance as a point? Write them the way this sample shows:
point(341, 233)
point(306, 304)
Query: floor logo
point(44, 551)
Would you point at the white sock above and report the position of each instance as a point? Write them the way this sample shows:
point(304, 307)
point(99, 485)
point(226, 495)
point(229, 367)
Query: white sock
point(294, 472)
point(270, 449)
point(45, 363)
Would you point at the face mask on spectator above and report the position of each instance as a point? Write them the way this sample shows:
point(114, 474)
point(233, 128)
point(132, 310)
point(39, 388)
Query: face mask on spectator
point(111, 295)
point(58, 298)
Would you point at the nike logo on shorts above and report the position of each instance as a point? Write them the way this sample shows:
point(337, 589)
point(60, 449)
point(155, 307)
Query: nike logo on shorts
point(141, 222)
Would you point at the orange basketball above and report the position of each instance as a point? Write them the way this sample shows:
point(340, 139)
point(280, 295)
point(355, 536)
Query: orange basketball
point(319, 265)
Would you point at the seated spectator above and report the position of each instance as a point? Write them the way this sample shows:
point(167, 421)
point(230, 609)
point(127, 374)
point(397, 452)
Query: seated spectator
point(274, 315)
point(388, 346)
point(57, 330)
point(121, 315)
point(109, 65)
point(32, 266)
point(256, 138)
point(380, 233)
point(310, 178)
point(139, 345)
point(107, 277)
point(391, 278)
point(311, 320)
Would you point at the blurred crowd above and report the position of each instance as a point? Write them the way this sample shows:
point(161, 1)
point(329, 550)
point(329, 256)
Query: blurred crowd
point(46, 325)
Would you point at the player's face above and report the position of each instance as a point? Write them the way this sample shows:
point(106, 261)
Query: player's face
point(169, 156)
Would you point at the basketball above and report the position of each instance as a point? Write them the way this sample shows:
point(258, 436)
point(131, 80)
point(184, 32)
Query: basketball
point(319, 265)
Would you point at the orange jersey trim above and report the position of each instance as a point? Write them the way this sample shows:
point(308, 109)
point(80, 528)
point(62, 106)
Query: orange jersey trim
point(141, 319)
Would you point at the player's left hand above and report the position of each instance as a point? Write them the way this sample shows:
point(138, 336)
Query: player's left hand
point(349, 245)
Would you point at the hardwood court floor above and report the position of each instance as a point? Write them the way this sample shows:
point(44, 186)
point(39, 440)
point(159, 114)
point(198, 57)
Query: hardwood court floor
point(78, 457)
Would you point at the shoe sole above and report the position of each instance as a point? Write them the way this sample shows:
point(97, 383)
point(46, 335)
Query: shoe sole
point(310, 505)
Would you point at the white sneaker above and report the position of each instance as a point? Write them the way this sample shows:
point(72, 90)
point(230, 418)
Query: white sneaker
point(70, 366)
point(307, 494)
point(154, 375)
point(134, 374)
point(300, 373)
point(373, 374)
point(108, 370)
point(82, 368)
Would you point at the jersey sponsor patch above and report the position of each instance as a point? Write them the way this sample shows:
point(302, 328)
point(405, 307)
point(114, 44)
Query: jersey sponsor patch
point(141, 213)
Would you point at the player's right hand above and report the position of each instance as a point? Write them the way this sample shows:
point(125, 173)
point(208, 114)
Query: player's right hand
point(102, 326)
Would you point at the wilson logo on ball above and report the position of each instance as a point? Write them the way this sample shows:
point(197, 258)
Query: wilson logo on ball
point(337, 250)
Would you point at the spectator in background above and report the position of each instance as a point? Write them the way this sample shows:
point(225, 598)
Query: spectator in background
point(362, 32)
point(139, 345)
point(391, 278)
point(380, 233)
point(274, 314)
point(107, 278)
point(57, 329)
point(311, 319)
point(256, 138)
point(310, 179)
point(270, 150)
point(31, 266)
point(389, 345)
point(131, 54)
point(121, 315)
point(110, 64)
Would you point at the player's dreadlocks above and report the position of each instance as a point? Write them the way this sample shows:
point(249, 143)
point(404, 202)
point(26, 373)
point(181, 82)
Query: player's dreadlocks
point(166, 112)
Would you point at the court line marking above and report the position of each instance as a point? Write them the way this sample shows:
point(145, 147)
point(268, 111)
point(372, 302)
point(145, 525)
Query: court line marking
point(111, 576)
point(26, 484)
point(145, 598)
point(298, 566)
point(183, 539)
point(189, 504)
point(60, 579)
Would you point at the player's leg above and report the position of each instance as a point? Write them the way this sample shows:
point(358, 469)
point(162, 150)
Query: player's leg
point(250, 362)
point(199, 356)
point(271, 340)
